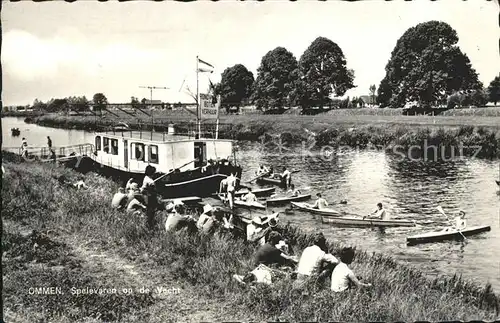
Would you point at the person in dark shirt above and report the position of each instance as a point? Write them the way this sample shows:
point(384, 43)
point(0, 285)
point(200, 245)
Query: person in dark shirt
point(268, 254)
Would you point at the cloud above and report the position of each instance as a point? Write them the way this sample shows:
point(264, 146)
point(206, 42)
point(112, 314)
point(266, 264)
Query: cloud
point(27, 57)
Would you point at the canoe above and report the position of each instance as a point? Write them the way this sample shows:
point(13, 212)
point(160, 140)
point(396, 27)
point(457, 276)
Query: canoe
point(249, 205)
point(287, 199)
point(438, 236)
point(306, 207)
point(185, 199)
point(258, 192)
point(268, 180)
point(359, 222)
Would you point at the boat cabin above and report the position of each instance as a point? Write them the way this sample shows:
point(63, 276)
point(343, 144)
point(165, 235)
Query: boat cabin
point(133, 151)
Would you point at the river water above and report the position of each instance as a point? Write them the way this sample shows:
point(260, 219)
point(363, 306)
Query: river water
point(408, 189)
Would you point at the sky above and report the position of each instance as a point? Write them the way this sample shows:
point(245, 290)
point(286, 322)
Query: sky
point(58, 49)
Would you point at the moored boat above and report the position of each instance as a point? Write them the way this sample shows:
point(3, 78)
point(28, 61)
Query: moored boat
point(185, 166)
point(367, 222)
point(438, 236)
point(258, 192)
point(306, 207)
point(288, 199)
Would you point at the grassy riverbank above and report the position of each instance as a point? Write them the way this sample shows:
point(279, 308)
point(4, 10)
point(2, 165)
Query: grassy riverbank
point(77, 229)
point(357, 131)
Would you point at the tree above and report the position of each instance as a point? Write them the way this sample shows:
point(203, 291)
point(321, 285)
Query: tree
point(323, 72)
point(57, 105)
point(235, 85)
point(100, 101)
point(276, 83)
point(78, 103)
point(373, 90)
point(426, 66)
point(494, 90)
point(134, 102)
point(39, 105)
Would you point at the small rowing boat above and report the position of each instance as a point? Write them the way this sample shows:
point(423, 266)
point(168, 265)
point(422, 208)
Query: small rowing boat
point(306, 207)
point(249, 205)
point(360, 222)
point(258, 192)
point(288, 199)
point(269, 180)
point(438, 236)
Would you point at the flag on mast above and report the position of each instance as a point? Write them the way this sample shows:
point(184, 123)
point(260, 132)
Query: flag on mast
point(206, 67)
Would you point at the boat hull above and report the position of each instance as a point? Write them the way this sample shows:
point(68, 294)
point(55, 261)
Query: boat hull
point(188, 183)
point(255, 205)
point(286, 200)
point(324, 212)
point(258, 192)
point(359, 222)
point(272, 181)
point(438, 236)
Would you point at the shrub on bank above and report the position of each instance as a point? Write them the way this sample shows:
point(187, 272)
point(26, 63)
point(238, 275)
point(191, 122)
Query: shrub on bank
point(399, 292)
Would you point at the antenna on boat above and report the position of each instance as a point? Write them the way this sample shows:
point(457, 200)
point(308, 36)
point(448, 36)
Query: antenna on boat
point(151, 88)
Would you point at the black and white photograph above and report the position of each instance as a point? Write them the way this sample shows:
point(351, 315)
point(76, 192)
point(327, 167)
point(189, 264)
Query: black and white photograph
point(250, 161)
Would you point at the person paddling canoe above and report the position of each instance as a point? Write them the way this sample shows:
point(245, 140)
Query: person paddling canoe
point(320, 203)
point(250, 196)
point(294, 192)
point(380, 213)
point(459, 223)
point(263, 170)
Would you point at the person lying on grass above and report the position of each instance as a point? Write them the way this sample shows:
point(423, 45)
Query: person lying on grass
point(266, 256)
point(315, 262)
point(343, 277)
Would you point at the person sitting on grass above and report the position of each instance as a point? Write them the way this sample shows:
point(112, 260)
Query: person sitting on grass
point(177, 219)
point(343, 277)
point(292, 191)
point(267, 255)
point(119, 200)
point(214, 222)
point(137, 205)
point(257, 231)
point(80, 184)
point(313, 260)
point(129, 184)
point(207, 213)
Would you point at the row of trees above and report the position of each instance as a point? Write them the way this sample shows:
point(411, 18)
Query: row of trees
point(72, 103)
point(426, 68)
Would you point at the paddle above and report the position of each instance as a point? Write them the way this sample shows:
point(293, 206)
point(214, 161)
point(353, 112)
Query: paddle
point(253, 179)
point(440, 209)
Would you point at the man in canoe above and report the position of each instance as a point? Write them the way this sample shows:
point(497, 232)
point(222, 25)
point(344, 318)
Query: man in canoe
point(459, 223)
point(250, 196)
point(380, 213)
point(294, 192)
point(320, 203)
point(263, 170)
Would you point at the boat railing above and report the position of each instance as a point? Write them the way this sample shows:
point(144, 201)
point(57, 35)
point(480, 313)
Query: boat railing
point(79, 149)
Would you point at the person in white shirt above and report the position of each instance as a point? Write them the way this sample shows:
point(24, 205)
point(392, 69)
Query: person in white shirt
point(207, 213)
point(342, 276)
point(148, 182)
point(250, 196)
point(320, 203)
point(136, 205)
point(129, 184)
point(380, 213)
point(119, 200)
point(256, 231)
point(460, 222)
point(313, 259)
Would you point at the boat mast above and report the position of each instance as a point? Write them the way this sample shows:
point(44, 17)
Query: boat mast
point(198, 99)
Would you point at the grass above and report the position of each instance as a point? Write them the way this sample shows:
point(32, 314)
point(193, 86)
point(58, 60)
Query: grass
point(31, 197)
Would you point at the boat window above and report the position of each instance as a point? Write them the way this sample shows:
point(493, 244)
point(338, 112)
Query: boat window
point(114, 146)
point(138, 151)
point(153, 154)
point(98, 143)
point(105, 144)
